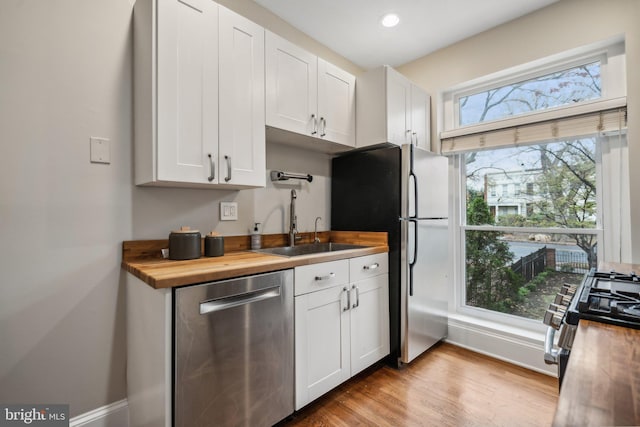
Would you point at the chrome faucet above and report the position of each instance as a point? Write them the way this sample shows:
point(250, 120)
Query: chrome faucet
point(315, 231)
point(293, 221)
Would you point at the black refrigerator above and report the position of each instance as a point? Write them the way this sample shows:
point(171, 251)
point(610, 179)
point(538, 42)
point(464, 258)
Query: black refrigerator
point(402, 190)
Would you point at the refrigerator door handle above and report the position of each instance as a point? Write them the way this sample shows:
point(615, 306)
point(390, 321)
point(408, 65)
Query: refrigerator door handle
point(415, 254)
point(413, 177)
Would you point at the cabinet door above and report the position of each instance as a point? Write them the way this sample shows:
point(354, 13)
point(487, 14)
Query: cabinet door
point(321, 342)
point(398, 108)
point(420, 112)
point(242, 131)
point(291, 86)
point(187, 89)
point(336, 104)
point(369, 322)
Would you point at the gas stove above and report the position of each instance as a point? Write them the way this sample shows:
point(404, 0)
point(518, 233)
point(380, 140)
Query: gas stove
point(607, 297)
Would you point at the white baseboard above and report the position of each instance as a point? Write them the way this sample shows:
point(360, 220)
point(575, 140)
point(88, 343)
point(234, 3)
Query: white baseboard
point(526, 350)
point(113, 415)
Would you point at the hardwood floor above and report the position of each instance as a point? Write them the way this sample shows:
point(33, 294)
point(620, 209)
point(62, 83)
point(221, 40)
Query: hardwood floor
point(446, 386)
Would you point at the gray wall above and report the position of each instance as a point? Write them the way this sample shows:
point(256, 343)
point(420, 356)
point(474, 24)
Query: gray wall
point(562, 26)
point(65, 75)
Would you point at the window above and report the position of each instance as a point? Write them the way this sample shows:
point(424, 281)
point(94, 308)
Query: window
point(575, 84)
point(516, 272)
point(551, 136)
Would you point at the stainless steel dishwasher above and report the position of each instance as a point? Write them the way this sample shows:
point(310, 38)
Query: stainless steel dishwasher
point(233, 348)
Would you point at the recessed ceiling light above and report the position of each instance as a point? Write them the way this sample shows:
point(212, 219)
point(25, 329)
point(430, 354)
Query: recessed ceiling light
point(390, 20)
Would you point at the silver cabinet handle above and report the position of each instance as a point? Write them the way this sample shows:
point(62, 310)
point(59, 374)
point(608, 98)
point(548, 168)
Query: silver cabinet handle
point(213, 169)
point(228, 177)
point(371, 267)
point(416, 135)
point(357, 304)
point(327, 277)
point(348, 307)
point(323, 122)
point(550, 354)
point(315, 124)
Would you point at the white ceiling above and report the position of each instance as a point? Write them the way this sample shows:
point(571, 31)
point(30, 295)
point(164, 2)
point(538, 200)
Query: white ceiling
point(352, 27)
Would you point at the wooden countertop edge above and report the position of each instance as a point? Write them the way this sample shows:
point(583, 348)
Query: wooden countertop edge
point(167, 274)
point(601, 385)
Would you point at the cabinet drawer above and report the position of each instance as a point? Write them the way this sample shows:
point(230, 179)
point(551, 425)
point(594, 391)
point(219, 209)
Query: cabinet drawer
point(368, 266)
point(314, 277)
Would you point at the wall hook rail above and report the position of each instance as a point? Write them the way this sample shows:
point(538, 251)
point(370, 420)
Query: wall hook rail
point(284, 176)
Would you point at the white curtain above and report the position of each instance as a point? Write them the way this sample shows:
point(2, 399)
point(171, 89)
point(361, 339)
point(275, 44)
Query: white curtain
point(596, 118)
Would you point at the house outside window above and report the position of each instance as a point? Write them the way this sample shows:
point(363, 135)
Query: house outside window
point(529, 188)
point(522, 132)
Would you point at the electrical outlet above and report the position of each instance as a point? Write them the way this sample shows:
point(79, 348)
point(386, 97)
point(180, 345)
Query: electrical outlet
point(228, 211)
point(100, 150)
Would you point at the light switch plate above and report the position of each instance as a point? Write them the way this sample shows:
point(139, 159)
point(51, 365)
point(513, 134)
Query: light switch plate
point(228, 211)
point(100, 150)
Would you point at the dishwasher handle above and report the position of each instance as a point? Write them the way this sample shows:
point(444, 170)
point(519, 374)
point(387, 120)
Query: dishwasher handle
point(238, 300)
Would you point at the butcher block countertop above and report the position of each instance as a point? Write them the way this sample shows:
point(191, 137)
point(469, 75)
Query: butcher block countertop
point(601, 386)
point(143, 259)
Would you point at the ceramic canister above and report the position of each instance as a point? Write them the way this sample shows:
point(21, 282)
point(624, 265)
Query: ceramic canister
point(213, 245)
point(185, 244)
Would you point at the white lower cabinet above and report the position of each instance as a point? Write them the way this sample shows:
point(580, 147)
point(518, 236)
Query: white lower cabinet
point(322, 330)
point(340, 328)
point(369, 322)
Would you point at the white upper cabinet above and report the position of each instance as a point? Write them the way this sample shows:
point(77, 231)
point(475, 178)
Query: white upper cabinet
point(420, 115)
point(307, 95)
point(391, 109)
point(242, 132)
point(291, 86)
point(199, 96)
point(336, 104)
point(176, 101)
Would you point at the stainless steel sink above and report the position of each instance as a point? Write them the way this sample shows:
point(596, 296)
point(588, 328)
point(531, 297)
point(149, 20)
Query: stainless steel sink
point(309, 249)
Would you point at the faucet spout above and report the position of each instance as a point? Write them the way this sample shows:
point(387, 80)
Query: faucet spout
point(316, 239)
point(293, 220)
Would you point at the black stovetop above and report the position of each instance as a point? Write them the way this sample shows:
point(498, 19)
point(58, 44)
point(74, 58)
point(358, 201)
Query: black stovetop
point(608, 297)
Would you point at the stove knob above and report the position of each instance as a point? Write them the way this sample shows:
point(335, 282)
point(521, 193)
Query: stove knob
point(557, 308)
point(563, 299)
point(553, 318)
point(568, 289)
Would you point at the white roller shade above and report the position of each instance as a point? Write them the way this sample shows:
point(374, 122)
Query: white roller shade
point(600, 117)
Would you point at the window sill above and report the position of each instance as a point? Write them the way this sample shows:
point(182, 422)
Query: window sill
point(532, 335)
point(513, 344)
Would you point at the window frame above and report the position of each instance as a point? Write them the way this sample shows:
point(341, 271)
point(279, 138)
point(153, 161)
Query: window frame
point(611, 54)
